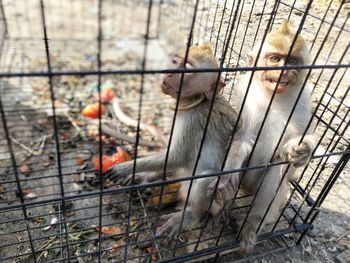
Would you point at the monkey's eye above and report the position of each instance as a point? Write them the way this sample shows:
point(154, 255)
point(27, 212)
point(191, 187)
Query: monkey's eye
point(174, 61)
point(293, 61)
point(274, 59)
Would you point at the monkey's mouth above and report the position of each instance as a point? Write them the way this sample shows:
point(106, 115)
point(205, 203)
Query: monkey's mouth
point(166, 89)
point(282, 84)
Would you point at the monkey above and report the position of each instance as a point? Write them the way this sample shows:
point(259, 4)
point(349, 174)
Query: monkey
point(264, 82)
point(196, 96)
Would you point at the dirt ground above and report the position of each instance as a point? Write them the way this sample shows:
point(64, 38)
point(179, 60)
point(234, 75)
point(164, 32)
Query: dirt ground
point(72, 31)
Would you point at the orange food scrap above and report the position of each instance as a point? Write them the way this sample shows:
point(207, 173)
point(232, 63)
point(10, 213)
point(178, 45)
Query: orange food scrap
point(121, 155)
point(109, 160)
point(107, 95)
point(110, 230)
point(92, 110)
point(170, 195)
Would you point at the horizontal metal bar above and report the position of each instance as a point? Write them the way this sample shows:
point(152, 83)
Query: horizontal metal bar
point(164, 71)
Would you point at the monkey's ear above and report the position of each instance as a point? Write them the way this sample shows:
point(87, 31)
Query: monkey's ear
point(209, 93)
point(221, 83)
point(250, 58)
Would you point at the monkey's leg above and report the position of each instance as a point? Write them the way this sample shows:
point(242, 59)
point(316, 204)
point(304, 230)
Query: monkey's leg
point(228, 183)
point(269, 191)
point(146, 164)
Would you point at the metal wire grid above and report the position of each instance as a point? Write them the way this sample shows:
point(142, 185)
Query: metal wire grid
point(310, 197)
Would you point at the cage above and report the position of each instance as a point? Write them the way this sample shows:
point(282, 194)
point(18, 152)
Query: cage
point(57, 56)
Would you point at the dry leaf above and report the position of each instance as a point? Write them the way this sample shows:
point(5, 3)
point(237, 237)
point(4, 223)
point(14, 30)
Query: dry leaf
point(26, 191)
point(79, 161)
point(46, 163)
point(25, 169)
point(69, 213)
point(110, 230)
point(153, 252)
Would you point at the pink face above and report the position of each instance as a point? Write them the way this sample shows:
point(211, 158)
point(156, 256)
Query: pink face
point(270, 77)
point(193, 83)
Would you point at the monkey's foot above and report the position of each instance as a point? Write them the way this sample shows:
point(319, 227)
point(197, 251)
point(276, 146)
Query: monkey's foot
point(248, 237)
point(226, 190)
point(300, 154)
point(172, 225)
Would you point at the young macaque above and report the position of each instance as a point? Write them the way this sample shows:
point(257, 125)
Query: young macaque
point(194, 104)
point(274, 53)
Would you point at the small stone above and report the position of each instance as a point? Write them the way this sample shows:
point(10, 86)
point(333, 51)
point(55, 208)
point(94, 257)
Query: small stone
point(332, 249)
point(344, 257)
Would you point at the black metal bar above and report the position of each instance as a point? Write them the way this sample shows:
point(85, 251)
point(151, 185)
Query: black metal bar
point(52, 96)
point(18, 182)
point(164, 71)
point(143, 66)
point(100, 150)
point(155, 184)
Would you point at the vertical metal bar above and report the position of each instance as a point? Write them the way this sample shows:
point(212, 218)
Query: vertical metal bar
point(52, 96)
point(18, 182)
point(219, 29)
point(143, 66)
point(159, 18)
point(100, 150)
point(2, 10)
point(319, 28)
point(208, 118)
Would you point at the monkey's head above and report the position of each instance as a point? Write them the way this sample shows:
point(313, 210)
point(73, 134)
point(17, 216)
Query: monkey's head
point(274, 53)
point(194, 84)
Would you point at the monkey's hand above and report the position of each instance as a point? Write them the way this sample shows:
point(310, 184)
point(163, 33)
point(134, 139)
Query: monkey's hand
point(226, 189)
point(119, 172)
point(299, 154)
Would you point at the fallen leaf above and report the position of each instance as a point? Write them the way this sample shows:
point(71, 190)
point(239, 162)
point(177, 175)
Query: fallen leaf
point(110, 230)
point(153, 252)
point(25, 169)
point(79, 161)
point(26, 191)
point(69, 213)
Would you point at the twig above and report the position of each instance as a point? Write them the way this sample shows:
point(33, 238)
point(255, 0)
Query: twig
point(38, 152)
point(122, 136)
point(342, 235)
point(75, 125)
point(124, 118)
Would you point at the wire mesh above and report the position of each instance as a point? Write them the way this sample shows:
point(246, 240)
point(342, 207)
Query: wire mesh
point(56, 57)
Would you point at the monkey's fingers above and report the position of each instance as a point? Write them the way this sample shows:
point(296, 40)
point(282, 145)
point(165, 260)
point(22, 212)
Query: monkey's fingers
point(168, 228)
point(248, 238)
point(112, 174)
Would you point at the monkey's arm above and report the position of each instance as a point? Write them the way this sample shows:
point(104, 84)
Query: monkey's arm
point(151, 163)
point(299, 154)
point(228, 183)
